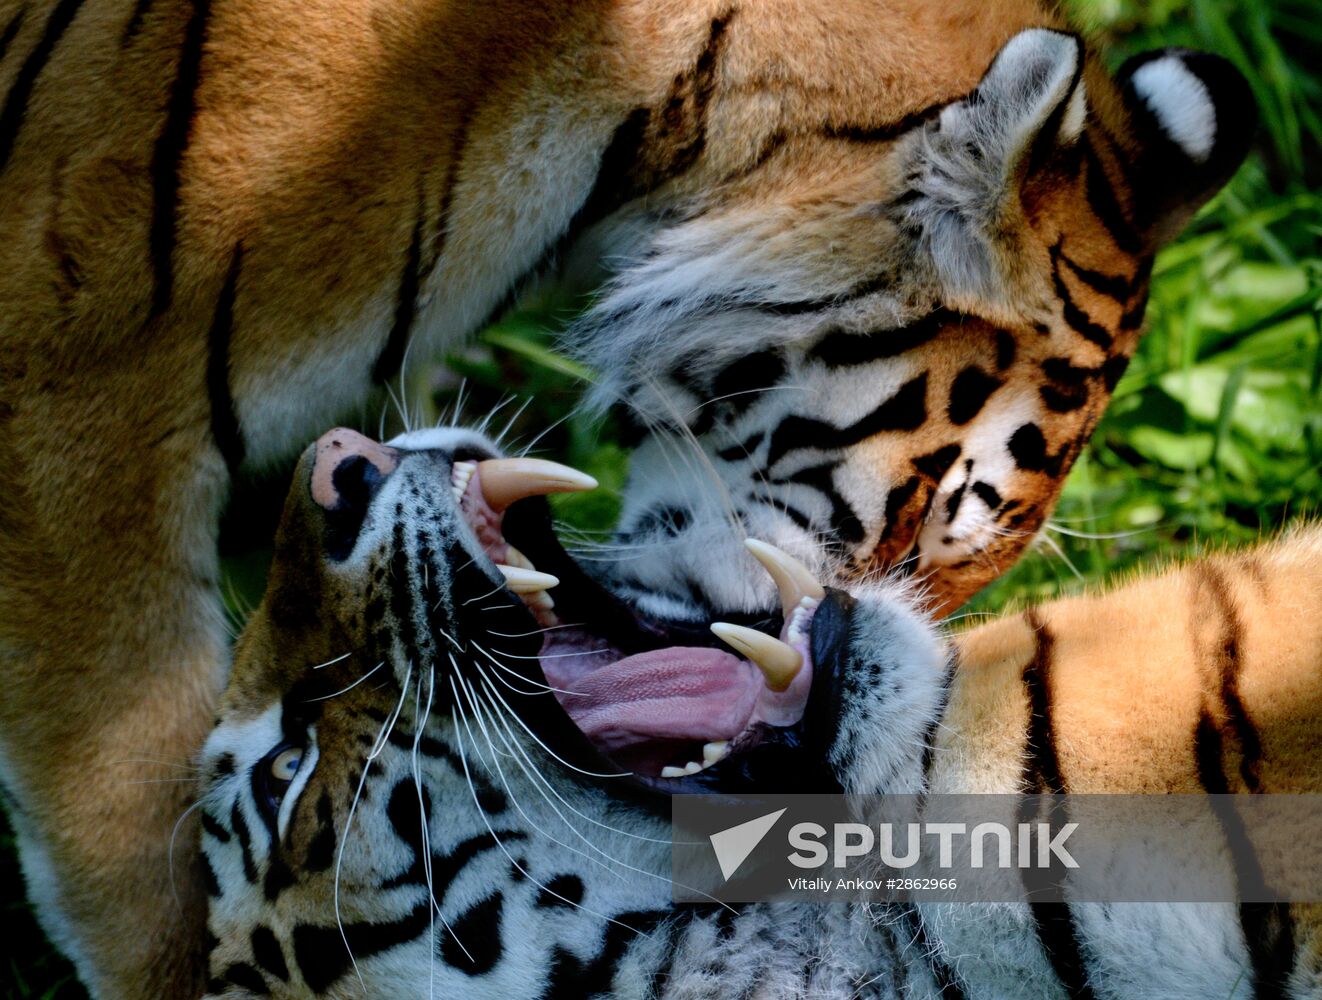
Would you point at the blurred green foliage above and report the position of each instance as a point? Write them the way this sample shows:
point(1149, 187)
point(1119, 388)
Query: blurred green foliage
point(1213, 437)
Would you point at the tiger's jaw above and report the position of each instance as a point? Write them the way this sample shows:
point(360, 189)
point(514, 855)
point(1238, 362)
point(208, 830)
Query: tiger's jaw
point(434, 558)
point(398, 697)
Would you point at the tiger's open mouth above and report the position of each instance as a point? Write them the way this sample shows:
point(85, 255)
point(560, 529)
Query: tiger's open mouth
point(661, 699)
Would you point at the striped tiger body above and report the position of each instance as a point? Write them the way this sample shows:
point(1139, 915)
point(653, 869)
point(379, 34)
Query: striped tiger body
point(866, 273)
point(428, 780)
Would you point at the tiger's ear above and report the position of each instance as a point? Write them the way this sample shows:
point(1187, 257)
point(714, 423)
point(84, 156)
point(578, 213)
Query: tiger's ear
point(971, 163)
point(1194, 119)
point(1029, 102)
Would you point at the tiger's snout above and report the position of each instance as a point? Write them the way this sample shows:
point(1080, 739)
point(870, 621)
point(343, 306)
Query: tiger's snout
point(347, 471)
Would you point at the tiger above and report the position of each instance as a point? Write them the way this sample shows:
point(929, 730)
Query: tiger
point(860, 278)
point(439, 773)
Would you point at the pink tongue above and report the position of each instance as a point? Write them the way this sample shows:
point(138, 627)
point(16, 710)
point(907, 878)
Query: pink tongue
point(679, 693)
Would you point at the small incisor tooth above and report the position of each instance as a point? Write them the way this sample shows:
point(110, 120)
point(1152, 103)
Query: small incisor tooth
point(714, 751)
point(779, 662)
point(515, 558)
point(793, 579)
point(526, 581)
point(505, 480)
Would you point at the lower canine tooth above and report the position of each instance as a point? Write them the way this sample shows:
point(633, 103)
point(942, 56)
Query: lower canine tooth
point(526, 581)
point(779, 662)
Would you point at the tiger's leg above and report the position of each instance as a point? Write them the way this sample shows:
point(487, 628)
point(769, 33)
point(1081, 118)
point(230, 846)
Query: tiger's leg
point(110, 644)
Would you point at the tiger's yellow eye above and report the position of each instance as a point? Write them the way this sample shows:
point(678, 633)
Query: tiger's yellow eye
point(285, 764)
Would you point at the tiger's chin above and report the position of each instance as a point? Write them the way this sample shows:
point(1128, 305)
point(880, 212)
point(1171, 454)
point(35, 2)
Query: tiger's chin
point(663, 705)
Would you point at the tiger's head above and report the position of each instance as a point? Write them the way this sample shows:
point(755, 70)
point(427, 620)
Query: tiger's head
point(879, 339)
point(429, 768)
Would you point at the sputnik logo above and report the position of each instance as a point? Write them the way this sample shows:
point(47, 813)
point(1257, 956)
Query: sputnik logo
point(732, 846)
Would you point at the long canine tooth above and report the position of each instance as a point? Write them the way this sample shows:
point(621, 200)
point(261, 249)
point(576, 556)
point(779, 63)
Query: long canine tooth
point(793, 579)
point(779, 663)
point(527, 581)
point(505, 480)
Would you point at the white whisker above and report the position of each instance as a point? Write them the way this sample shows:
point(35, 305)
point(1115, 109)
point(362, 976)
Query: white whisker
point(382, 736)
point(337, 659)
point(327, 697)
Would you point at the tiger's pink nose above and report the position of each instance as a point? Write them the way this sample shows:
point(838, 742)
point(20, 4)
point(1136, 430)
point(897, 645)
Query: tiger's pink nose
point(347, 469)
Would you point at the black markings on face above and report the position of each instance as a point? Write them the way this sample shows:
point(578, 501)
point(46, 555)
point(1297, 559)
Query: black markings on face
point(936, 464)
point(744, 450)
point(1005, 349)
point(1112, 370)
point(279, 877)
point(563, 890)
point(209, 878)
point(846, 349)
point(214, 829)
point(987, 493)
point(321, 850)
point(492, 800)
point(845, 525)
point(267, 953)
point(478, 930)
point(1102, 199)
point(906, 410)
point(321, 953)
point(1028, 447)
point(571, 978)
point(969, 392)
point(896, 500)
point(245, 842)
point(954, 500)
point(747, 375)
point(244, 976)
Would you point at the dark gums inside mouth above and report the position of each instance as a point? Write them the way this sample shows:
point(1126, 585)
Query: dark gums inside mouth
point(669, 702)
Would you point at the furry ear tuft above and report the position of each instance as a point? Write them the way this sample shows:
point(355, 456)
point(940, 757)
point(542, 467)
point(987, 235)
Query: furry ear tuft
point(1031, 95)
point(972, 161)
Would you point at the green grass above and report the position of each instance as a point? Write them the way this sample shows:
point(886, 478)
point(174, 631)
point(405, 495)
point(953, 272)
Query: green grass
point(1214, 436)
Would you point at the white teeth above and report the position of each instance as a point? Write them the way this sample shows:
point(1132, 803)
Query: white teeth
point(461, 473)
point(692, 767)
point(526, 581)
point(779, 663)
point(513, 557)
point(796, 631)
point(539, 601)
point(714, 751)
point(793, 579)
point(505, 480)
